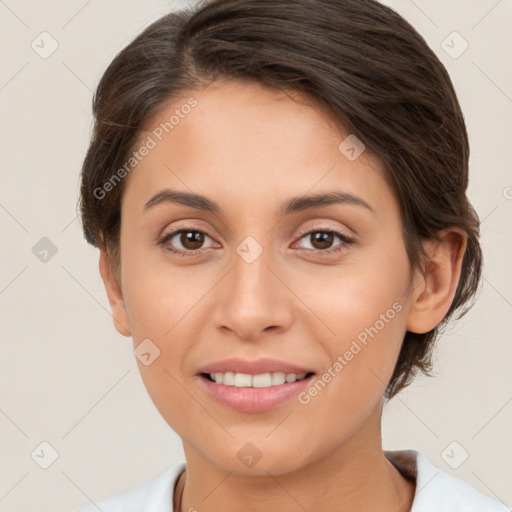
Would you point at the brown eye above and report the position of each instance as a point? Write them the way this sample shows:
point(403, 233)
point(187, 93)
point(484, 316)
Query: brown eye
point(322, 239)
point(184, 241)
point(191, 240)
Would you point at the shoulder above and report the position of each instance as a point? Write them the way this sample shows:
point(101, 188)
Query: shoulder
point(437, 491)
point(152, 496)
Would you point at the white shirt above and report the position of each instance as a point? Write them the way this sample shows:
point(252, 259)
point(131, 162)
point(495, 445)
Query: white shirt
point(436, 490)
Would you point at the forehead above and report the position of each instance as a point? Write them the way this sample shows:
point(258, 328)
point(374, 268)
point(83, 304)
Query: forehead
point(240, 140)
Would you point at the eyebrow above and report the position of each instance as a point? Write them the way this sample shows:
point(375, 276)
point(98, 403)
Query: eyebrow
point(296, 204)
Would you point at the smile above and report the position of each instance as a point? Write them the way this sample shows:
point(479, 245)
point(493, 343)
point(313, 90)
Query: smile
point(261, 380)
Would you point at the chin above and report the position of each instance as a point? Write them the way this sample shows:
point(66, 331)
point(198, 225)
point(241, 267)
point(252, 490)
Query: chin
point(258, 456)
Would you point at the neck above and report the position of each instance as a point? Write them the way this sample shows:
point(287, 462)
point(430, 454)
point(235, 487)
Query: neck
point(353, 476)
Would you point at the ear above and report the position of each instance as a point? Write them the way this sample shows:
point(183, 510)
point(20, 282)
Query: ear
point(115, 295)
point(434, 289)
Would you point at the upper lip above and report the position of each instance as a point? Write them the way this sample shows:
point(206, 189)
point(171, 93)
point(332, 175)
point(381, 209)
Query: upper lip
point(253, 366)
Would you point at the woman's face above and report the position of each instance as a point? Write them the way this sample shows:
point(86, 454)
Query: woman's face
point(275, 285)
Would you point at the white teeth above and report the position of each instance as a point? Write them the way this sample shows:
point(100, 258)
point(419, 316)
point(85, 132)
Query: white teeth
point(243, 380)
point(262, 380)
point(228, 378)
point(278, 378)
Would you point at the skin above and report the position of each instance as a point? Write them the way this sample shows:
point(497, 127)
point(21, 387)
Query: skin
point(250, 149)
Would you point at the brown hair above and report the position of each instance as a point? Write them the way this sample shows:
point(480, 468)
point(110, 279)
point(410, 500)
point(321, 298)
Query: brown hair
point(358, 58)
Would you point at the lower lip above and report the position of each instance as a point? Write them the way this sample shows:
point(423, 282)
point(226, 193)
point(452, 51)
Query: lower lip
point(254, 399)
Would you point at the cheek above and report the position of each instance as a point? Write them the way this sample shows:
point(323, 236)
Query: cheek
point(364, 306)
point(159, 308)
point(157, 303)
point(361, 298)
point(156, 297)
point(362, 356)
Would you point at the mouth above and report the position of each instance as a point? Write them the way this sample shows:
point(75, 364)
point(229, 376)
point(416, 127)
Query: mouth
point(253, 392)
point(261, 380)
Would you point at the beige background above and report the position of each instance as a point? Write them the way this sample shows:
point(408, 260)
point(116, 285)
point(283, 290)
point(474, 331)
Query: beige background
point(69, 379)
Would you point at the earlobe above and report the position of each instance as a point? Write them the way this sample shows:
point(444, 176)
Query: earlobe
point(115, 296)
point(434, 289)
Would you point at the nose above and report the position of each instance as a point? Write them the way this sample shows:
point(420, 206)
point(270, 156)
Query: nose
point(255, 300)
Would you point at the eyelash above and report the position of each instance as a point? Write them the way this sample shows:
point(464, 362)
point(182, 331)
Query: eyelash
point(339, 248)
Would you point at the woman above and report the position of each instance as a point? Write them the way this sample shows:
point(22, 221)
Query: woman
point(278, 193)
